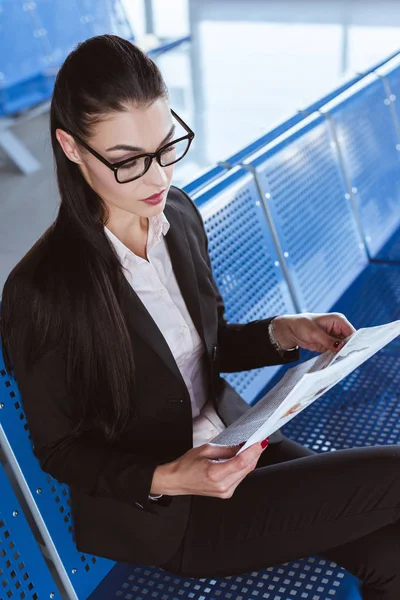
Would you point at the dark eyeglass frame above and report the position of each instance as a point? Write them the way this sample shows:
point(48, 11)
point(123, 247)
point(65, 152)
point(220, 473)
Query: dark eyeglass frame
point(150, 155)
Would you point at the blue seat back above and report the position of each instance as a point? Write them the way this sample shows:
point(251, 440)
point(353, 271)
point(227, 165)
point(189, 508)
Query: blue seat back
point(36, 38)
point(48, 499)
point(391, 73)
point(367, 137)
point(68, 23)
point(22, 57)
point(204, 179)
point(244, 261)
point(21, 46)
point(23, 570)
point(305, 193)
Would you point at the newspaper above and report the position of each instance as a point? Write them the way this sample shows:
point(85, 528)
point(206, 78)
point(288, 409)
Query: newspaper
point(303, 384)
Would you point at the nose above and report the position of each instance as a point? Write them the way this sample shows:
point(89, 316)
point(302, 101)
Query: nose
point(156, 175)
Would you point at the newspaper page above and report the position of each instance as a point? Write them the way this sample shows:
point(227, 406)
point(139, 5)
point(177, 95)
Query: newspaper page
point(303, 384)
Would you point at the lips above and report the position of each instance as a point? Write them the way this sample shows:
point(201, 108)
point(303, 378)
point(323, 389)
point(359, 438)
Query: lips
point(154, 197)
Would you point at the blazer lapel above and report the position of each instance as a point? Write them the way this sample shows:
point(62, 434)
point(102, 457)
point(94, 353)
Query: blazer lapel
point(138, 317)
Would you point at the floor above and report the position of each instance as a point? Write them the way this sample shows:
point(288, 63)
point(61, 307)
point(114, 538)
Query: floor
point(249, 66)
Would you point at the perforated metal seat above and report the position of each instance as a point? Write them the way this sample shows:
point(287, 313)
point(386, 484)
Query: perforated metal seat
point(244, 261)
point(300, 178)
point(364, 119)
point(251, 281)
point(361, 410)
point(309, 210)
point(317, 232)
point(23, 570)
point(41, 34)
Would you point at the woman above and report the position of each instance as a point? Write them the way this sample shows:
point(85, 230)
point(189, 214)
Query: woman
point(116, 333)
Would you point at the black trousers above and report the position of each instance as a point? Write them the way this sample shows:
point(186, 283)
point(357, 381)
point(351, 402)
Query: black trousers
point(342, 505)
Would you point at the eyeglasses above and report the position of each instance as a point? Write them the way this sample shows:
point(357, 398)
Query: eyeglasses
point(135, 167)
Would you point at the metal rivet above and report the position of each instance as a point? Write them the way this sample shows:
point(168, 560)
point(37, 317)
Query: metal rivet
point(73, 571)
point(1, 405)
point(39, 491)
point(52, 595)
point(15, 513)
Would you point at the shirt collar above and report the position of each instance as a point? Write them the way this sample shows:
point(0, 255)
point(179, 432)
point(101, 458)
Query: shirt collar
point(158, 226)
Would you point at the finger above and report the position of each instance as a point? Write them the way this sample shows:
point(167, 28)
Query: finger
point(323, 341)
point(233, 480)
point(239, 462)
point(336, 324)
point(211, 450)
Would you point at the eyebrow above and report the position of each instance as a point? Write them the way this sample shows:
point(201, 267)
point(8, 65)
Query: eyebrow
point(136, 148)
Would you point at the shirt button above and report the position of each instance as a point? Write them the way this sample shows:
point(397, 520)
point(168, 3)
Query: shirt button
point(183, 329)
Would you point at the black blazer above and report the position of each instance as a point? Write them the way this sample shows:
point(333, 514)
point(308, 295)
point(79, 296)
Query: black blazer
point(109, 484)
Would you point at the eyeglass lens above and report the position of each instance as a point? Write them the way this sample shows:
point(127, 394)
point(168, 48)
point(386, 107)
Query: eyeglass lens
point(137, 166)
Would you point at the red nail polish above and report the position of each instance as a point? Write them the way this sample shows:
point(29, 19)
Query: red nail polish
point(265, 443)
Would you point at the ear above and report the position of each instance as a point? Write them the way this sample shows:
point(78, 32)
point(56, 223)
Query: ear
point(69, 146)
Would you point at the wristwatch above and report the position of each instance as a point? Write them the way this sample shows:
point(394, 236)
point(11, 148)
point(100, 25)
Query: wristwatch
point(275, 342)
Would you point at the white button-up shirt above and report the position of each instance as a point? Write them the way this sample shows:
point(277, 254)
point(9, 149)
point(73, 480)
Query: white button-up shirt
point(155, 283)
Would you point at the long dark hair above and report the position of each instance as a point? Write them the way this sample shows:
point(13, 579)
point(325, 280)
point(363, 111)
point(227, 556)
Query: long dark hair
point(75, 297)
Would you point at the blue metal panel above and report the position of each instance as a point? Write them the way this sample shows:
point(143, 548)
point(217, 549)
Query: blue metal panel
point(205, 178)
point(23, 570)
point(390, 252)
point(167, 45)
point(21, 45)
point(24, 95)
point(370, 148)
point(373, 298)
point(35, 39)
point(64, 26)
point(22, 57)
point(244, 261)
point(304, 188)
point(361, 410)
point(50, 497)
point(391, 71)
point(68, 23)
point(96, 17)
point(394, 82)
point(311, 578)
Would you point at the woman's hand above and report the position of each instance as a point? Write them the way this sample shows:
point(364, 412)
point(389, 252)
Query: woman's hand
point(199, 472)
point(312, 331)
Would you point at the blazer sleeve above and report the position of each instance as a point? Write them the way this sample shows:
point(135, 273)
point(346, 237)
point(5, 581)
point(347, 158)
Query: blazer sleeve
point(85, 461)
point(242, 347)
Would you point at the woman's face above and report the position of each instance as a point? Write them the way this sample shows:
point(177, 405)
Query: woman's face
point(145, 129)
